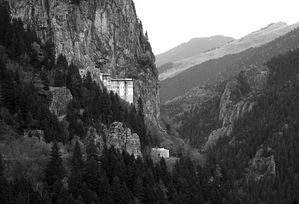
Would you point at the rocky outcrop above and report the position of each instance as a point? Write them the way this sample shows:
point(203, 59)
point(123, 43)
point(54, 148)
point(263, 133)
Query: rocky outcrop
point(35, 133)
point(216, 135)
point(262, 166)
point(61, 97)
point(98, 34)
point(237, 100)
point(38, 51)
point(123, 139)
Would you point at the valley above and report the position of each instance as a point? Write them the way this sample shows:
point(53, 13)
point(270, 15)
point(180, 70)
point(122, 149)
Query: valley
point(89, 114)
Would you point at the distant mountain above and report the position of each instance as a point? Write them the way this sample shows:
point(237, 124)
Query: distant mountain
point(192, 48)
point(254, 39)
point(226, 66)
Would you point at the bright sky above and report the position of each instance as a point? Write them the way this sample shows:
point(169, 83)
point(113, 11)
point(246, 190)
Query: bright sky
point(172, 22)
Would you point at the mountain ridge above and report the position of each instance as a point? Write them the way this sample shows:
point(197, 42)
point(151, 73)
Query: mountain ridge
point(226, 66)
point(190, 48)
point(254, 39)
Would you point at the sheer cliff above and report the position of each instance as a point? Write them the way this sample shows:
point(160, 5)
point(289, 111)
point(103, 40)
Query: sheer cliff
point(97, 35)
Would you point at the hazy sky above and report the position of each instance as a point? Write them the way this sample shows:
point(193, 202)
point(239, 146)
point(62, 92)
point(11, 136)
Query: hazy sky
point(172, 22)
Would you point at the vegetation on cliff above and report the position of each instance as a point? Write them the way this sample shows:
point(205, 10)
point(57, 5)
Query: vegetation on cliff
point(258, 163)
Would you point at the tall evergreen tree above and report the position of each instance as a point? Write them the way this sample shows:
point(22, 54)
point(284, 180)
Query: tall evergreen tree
point(132, 118)
point(4, 23)
point(92, 176)
point(55, 170)
point(92, 151)
point(105, 192)
point(61, 63)
point(4, 187)
point(141, 129)
point(117, 191)
point(77, 159)
point(49, 48)
point(127, 196)
point(59, 78)
point(139, 190)
point(87, 81)
point(76, 178)
point(73, 80)
point(8, 92)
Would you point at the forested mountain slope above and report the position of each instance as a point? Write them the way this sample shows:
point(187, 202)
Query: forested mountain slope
point(104, 36)
point(261, 153)
point(65, 139)
point(248, 129)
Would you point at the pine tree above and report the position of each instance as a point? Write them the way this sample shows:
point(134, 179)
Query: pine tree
point(20, 33)
point(4, 22)
point(59, 79)
point(55, 170)
point(107, 113)
point(139, 190)
point(8, 92)
point(160, 192)
point(150, 195)
point(132, 118)
point(73, 80)
point(87, 81)
point(130, 176)
point(77, 159)
point(141, 129)
point(44, 78)
point(76, 178)
point(127, 196)
point(4, 187)
point(117, 190)
point(50, 58)
point(92, 176)
point(61, 63)
point(75, 183)
point(77, 2)
point(92, 151)
point(105, 192)
point(178, 198)
point(163, 166)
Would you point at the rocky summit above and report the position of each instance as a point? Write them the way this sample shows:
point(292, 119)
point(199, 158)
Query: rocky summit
point(123, 139)
point(97, 34)
point(61, 97)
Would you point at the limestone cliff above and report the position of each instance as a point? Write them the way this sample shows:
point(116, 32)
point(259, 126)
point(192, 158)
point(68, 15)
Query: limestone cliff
point(98, 34)
point(61, 97)
point(123, 139)
point(261, 166)
point(238, 98)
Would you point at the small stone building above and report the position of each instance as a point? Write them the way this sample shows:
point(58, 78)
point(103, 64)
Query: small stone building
point(158, 153)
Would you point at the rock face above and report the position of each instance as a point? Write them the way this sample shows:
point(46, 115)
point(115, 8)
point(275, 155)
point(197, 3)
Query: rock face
point(232, 106)
point(98, 34)
point(216, 135)
point(38, 51)
point(238, 99)
point(61, 97)
point(35, 133)
point(262, 166)
point(123, 139)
